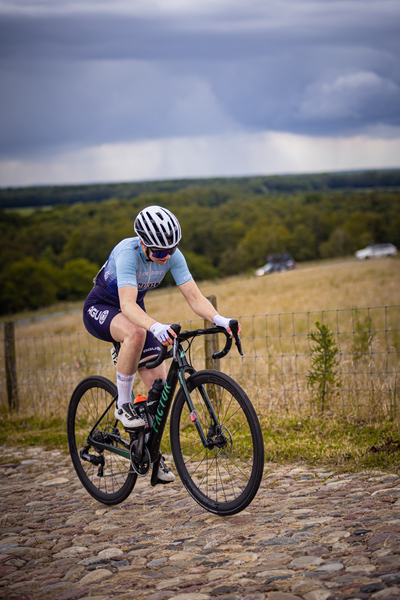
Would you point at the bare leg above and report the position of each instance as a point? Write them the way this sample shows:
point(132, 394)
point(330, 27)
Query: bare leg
point(149, 375)
point(133, 338)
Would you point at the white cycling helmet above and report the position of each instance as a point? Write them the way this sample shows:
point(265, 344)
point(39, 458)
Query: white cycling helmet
point(157, 227)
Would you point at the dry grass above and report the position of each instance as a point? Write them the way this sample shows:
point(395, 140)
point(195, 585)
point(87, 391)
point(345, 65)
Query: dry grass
point(311, 287)
point(55, 352)
point(322, 285)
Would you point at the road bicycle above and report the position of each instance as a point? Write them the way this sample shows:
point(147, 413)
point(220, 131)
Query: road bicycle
point(215, 435)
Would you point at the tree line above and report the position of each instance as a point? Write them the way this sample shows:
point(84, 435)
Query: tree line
point(53, 254)
point(36, 196)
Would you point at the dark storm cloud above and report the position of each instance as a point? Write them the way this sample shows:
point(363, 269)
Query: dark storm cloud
point(74, 79)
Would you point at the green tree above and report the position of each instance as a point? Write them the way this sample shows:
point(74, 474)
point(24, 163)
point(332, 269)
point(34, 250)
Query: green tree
point(394, 231)
point(94, 244)
point(77, 279)
point(303, 244)
point(340, 243)
point(364, 228)
point(200, 267)
point(28, 285)
point(253, 249)
point(44, 234)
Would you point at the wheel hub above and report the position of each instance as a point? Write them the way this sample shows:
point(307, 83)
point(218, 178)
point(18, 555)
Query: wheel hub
point(220, 440)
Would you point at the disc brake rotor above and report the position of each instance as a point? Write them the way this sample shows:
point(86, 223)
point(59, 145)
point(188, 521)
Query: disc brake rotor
point(223, 443)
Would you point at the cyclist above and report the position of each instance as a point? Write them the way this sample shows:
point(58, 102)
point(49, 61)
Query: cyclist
point(114, 310)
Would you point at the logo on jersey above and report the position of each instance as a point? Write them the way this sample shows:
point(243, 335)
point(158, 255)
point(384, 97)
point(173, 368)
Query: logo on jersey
point(148, 286)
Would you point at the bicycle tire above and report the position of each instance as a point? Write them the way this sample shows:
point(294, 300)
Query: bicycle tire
point(88, 402)
point(223, 480)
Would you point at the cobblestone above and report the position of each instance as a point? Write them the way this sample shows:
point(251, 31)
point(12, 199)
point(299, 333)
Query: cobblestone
point(309, 534)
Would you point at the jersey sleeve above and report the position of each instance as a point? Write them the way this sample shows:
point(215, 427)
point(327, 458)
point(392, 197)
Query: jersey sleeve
point(179, 268)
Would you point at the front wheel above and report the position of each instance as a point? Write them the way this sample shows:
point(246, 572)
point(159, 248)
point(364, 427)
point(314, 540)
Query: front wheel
point(99, 450)
point(224, 474)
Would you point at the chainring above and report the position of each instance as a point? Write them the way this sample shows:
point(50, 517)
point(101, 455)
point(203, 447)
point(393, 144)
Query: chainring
point(144, 467)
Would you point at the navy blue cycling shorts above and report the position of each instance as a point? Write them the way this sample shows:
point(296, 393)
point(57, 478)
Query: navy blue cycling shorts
point(97, 317)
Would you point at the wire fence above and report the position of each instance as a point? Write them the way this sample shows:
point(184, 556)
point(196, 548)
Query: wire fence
point(358, 375)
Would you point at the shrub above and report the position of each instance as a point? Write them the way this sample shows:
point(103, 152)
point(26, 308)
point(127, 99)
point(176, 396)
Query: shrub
point(323, 375)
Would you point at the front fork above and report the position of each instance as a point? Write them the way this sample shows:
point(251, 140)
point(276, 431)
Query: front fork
point(215, 427)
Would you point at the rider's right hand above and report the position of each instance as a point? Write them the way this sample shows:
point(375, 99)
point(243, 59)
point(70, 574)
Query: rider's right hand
point(163, 333)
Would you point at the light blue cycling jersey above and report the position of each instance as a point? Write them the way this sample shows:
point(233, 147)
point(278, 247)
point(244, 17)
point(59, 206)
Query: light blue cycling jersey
point(128, 266)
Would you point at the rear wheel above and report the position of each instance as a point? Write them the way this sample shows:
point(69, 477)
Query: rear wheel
point(224, 475)
point(106, 475)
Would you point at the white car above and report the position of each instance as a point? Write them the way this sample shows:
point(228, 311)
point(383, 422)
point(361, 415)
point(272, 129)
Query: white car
point(376, 251)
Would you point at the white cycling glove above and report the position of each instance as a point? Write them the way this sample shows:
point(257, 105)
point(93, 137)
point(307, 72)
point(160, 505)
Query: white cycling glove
point(221, 321)
point(160, 331)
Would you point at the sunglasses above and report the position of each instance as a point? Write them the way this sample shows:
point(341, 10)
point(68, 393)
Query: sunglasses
point(158, 253)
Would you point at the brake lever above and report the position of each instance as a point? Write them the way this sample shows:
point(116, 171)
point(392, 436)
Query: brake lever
point(176, 328)
point(175, 348)
point(234, 327)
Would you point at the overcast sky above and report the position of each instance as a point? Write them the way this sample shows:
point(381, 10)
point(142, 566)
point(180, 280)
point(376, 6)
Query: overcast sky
point(102, 90)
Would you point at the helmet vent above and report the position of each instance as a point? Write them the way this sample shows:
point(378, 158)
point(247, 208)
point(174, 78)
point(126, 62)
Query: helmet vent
point(158, 227)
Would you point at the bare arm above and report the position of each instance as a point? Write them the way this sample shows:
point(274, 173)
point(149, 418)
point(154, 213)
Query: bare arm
point(137, 316)
point(199, 304)
point(131, 310)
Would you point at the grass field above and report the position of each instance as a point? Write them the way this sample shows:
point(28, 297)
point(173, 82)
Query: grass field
point(321, 285)
point(343, 442)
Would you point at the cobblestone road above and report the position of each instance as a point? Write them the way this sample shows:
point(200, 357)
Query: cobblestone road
point(309, 534)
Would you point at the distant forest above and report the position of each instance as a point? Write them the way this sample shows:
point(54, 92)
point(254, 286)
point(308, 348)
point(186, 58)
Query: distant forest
point(320, 182)
point(52, 251)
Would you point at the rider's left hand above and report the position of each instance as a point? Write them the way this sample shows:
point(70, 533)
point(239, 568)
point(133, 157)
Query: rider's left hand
point(220, 321)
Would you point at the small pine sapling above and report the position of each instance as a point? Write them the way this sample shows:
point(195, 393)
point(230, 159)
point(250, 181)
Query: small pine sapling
point(323, 377)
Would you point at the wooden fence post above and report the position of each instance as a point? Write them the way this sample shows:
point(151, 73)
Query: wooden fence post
point(11, 368)
point(210, 341)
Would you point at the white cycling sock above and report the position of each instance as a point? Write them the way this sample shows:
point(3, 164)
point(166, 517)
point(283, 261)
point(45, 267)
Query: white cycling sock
point(124, 387)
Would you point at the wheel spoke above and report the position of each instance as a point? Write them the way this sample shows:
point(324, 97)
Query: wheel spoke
point(226, 475)
point(113, 481)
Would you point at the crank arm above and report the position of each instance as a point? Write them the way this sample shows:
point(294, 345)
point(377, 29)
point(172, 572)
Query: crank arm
point(139, 448)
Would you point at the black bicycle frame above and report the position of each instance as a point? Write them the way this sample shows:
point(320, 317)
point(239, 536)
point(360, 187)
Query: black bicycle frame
point(177, 371)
